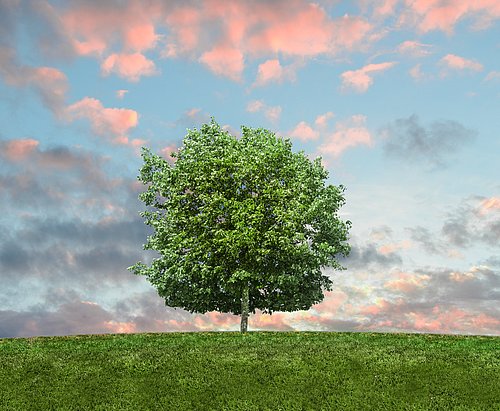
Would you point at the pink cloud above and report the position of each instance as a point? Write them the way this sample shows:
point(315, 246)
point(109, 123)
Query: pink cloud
point(224, 60)
point(215, 320)
point(414, 48)
point(493, 75)
point(121, 93)
point(444, 15)
point(255, 105)
point(380, 306)
point(95, 28)
point(483, 321)
point(462, 277)
point(406, 282)
point(185, 25)
point(360, 80)
point(322, 120)
point(304, 132)
point(128, 66)
point(271, 70)
point(117, 327)
point(277, 321)
point(349, 133)
point(218, 35)
point(294, 28)
point(140, 37)
point(385, 8)
point(331, 303)
point(91, 46)
point(350, 33)
point(15, 150)
point(390, 248)
point(272, 113)
point(454, 62)
point(166, 151)
point(301, 31)
point(489, 204)
point(193, 113)
point(104, 121)
point(476, 272)
point(416, 72)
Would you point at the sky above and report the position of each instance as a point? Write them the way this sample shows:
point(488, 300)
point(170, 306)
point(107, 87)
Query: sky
point(400, 98)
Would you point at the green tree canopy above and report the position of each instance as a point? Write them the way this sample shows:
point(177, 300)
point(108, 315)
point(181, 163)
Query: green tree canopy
point(240, 224)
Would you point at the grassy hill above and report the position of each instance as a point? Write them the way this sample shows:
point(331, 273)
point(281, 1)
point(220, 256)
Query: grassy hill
point(253, 371)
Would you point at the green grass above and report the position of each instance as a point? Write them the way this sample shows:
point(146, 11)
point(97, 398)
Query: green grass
point(254, 371)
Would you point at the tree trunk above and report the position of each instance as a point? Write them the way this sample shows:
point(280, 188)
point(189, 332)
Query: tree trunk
point(244, 309)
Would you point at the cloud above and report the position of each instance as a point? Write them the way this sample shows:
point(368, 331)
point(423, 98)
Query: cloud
point(360, 80)
point(121, 93)
point(489, 205)
point(457, 63)
point(385, 8)
point(426, 239)
point(304, 132)
point(273, 71)
point(492, 76)
point(49, 83)
point(185, 26)
point(33, 183)
point(302, 29)
point(407, 139)
point(141, 37)
point(166, 151)
point(193, 117)
point(272, 113)
point(348, 133)
point(293, 29)
point(416, 73)
point(224, 60)
point(438, 15)
point(95, 28)
point(414, 48)
point(369, 255)
point(475, 220)
point(41, 22)
point(14, 150)
point(221, 37)
point(322, 119)
point(407, 282)
point(437, 301)
point(392, 247)
point(114, 122)
point(129, 66)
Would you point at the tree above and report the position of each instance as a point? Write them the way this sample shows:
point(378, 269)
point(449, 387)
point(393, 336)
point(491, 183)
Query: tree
point(240, 224)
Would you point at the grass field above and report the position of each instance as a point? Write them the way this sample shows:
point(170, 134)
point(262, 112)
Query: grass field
point(253, 371)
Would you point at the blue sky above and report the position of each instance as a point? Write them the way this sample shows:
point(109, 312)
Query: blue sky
point(400, 98)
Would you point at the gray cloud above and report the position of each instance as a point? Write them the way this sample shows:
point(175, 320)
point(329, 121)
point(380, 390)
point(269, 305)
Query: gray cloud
point(45, 179)
point(407, 139)
point(425, 238)
point(457, 232)
point(493, 260)
point(471, 223)
point(467, 224)
point(46, 28)
point(50, 84)
point(367, 256)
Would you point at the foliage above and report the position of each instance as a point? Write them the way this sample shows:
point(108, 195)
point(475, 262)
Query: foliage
point(236, 213)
